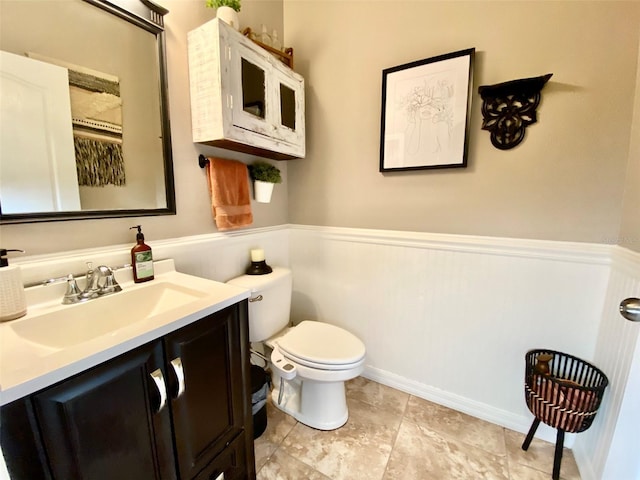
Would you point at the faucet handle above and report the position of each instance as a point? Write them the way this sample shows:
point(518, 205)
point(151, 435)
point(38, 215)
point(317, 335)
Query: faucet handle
point(72, 295)
point(110, 284)
point(73, 292)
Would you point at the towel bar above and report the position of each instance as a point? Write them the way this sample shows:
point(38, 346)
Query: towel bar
point(202, 161)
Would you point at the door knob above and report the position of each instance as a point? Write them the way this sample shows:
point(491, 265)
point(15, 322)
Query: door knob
point(630, 309)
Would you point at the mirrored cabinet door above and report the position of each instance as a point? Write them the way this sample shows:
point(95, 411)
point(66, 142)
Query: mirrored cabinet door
point(249, 91)
point(289, 95)
point(253, 89)
point(287, 107)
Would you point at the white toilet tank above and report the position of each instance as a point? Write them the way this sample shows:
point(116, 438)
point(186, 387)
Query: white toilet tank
point(271, 293)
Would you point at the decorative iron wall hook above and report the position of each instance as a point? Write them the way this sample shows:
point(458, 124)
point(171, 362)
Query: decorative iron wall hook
point(509, 107)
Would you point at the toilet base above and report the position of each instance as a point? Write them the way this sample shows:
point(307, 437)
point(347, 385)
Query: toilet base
point(319, 405)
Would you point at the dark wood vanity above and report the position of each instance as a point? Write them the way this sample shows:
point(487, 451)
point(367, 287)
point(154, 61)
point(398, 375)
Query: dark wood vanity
point(178, 407)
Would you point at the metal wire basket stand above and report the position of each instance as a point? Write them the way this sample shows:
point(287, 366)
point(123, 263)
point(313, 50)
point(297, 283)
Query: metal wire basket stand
point(562, 391)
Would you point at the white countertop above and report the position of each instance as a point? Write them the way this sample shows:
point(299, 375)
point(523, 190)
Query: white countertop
point(26, 366)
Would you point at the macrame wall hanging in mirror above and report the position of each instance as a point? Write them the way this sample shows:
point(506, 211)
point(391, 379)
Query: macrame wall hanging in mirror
point(509, 107)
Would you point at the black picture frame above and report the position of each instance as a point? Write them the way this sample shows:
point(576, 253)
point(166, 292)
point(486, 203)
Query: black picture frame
point(426, 107)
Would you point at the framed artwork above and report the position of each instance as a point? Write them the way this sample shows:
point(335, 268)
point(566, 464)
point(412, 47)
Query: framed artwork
point(426, 107)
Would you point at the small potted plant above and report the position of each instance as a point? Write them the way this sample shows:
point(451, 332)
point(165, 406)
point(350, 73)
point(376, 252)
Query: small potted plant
point(264, 176)
point(227, 11)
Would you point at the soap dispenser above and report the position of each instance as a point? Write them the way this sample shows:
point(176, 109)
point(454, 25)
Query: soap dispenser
point(13, 302)
point(141, 258)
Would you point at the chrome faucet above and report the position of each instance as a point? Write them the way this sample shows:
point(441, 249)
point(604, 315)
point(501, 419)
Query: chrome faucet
point(94, 288)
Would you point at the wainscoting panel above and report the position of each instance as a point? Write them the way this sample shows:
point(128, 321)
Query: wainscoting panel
point(608, 450)
point(450, 318)
point(445, 317)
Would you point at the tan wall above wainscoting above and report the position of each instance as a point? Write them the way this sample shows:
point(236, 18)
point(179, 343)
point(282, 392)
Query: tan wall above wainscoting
point(630, 230)
point(565, 181)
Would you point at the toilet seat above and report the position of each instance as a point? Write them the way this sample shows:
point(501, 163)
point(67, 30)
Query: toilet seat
point(322, 346)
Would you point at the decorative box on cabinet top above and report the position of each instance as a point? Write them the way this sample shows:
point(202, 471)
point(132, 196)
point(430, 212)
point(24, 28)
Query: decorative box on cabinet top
point(242, 97)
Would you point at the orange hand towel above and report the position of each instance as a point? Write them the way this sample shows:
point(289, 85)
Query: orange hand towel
point(229, 187)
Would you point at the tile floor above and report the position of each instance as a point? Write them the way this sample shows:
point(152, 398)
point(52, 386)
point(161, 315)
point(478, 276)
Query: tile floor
point(391, 435)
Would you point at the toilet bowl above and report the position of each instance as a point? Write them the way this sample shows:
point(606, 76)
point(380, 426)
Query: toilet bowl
point(310, 361)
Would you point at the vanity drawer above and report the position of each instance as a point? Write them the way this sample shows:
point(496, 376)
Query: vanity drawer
point(229, 465)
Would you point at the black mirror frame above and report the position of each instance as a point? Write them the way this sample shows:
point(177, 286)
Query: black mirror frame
point(150, 17)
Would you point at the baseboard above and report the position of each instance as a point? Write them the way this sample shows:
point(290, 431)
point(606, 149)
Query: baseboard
point(470, 407)
point(585, 465)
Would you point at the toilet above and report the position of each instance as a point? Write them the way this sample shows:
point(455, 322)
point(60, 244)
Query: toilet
point(310, 361)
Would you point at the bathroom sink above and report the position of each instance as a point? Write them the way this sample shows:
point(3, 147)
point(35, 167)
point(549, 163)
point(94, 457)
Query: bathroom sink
point(55, 341)
point(79, 323)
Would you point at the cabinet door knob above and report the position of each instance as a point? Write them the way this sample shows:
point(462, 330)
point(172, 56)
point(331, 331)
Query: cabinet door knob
point(158, 380)
point(176, 364)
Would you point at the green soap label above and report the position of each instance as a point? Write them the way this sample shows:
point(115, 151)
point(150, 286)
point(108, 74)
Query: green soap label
point(144, 264)
point(144, 256)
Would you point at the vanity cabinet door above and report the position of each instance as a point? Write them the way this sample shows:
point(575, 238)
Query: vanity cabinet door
point(110, 422)
point(208, 404)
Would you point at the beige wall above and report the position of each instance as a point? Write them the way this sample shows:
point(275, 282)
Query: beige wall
point(564, 182)
point(192, 197)
point(630, 231)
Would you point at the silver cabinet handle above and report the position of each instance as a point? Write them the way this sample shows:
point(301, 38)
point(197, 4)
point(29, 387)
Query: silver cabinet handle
point(256, 299)
point(158, 379)
point(630, 309)
point(176, 364)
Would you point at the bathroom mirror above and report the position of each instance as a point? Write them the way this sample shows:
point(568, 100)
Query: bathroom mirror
point(85, 123)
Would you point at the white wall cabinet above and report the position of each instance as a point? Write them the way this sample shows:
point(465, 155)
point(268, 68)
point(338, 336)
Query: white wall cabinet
point(242, 97)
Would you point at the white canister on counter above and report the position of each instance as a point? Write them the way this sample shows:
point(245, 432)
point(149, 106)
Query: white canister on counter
point(13, 302)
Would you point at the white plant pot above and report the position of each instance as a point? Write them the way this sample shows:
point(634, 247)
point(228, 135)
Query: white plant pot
point(262, 191)
point(229, 16)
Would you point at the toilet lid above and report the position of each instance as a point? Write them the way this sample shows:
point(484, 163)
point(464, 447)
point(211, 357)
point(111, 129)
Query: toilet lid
point(322, 344)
